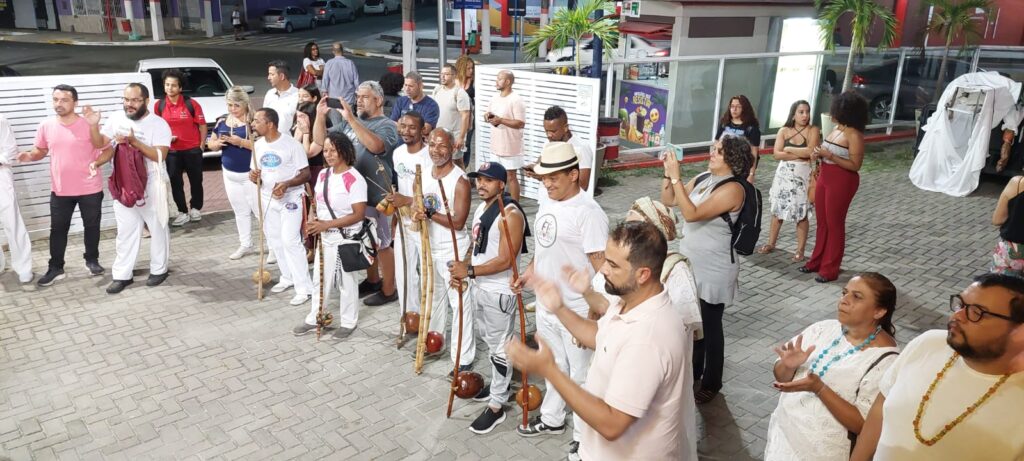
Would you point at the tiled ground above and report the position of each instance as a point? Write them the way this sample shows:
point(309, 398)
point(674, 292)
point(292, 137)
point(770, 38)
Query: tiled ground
point(198, 369)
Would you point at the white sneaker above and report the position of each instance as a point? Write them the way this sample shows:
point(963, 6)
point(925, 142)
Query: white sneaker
point(195, 215)
point(181, 220)
point(280, 287)
point(299, 299)
point(271, 259)
point(240, 252)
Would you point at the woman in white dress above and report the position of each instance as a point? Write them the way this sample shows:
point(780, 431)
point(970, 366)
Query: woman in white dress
point(828, 375)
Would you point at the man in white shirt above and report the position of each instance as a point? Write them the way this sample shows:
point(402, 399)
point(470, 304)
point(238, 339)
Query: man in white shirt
point(631, 403)
point(956, 394)
point(570, 229)
point(556, 127)
point(282, 169)
point(406, 158)
point(282, 96)
point(151, 135)
point(454, 106)
point(10, 214)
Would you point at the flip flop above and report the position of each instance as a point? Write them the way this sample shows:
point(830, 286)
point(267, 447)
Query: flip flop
point(797, 258)
point(765, 249)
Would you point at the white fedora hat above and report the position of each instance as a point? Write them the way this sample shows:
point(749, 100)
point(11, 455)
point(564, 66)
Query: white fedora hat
point(556, 156)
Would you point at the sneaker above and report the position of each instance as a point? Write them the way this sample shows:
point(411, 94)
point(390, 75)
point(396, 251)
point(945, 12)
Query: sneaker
point(574, 448)
point(379, 299)
point(367, 288)
point(51, 276)
point(280, 287)
point(303, 329)
point(240, 252)
point(118, 286)
point(537, 427)
point(484, 395)
point(94, 268)
point(487, 420)
point(156, 279)
point(194, 215)
point(181, 220)
point(462, 369)
point(299, 299)
point(342, 333)
point(271, 259)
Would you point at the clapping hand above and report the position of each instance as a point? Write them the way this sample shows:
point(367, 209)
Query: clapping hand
point(548, 294)
point(578, 280)
point(532, 362)
point(126, 139)
point(92, 116)
point(792, 354)
point(809, 383)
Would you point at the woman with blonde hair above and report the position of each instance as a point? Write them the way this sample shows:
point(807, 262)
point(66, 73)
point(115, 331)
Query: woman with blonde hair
point(233, 136)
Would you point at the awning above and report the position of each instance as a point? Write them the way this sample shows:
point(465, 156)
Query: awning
point(652, 30)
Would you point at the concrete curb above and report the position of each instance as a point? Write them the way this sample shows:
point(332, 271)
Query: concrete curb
point(374, 54)
point(138, 43)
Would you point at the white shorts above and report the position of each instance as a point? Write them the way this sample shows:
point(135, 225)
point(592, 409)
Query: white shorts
point(514, 162)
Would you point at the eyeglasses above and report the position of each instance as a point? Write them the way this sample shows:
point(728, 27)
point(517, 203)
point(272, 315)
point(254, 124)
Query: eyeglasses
point(134, 100)
point(974, 312)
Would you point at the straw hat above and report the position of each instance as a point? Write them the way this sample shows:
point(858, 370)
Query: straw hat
point(556, 156)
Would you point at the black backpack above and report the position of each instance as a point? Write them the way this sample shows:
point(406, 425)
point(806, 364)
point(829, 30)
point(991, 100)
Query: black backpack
point(160, 105)
point(747, 228)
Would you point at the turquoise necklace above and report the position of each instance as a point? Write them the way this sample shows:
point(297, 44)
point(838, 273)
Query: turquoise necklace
point(838, 357)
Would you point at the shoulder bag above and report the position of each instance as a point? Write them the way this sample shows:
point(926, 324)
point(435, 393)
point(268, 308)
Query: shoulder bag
point(359, 254)
point(851, 435)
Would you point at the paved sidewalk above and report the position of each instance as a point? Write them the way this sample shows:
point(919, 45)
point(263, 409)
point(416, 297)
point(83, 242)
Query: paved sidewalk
point(197, 369)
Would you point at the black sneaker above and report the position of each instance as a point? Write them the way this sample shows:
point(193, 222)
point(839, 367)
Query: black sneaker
point(156, 279)
point(303, 329)
point(94, 268)
point(379, 299)
point(574, 448)
point(367, 288)
point(51, 276)
point(462, 369)
point(484, 395)
point(118, 286)
point(537, 427)
point(487, 420)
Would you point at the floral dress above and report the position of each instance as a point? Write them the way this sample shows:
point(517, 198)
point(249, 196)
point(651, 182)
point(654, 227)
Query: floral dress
point(789, 187)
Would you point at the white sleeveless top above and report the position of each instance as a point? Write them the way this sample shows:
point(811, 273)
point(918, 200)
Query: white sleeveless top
point(432, 200)
point(494, 283)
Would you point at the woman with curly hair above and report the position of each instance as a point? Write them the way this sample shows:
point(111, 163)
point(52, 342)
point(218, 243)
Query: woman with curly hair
point(707, 243)
point(312, 63)
point(841, 156)
point(794, 144)
point(741, 120)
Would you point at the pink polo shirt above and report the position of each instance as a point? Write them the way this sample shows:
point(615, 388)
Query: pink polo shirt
point(70, 151)
point(638, 369)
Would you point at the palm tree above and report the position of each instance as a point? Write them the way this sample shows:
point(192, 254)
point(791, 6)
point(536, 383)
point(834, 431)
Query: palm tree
point(951, 19)
point(574, 24)
point(864, 13)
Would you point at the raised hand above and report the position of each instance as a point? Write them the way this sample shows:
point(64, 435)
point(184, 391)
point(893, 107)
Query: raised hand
point(809, 383)
point(321, 107)
point(92, 116)
point(579, 280)
point(548, 295)
point(534, 362)
point(792, 354)
point(670, 163)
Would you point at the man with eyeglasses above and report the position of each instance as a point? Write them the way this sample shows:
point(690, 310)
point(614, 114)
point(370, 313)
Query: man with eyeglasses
point(956, 394)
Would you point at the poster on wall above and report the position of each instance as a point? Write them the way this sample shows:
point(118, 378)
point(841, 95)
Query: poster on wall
point(642, 111)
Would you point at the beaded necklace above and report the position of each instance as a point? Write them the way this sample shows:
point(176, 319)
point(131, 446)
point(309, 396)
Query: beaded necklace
point(838, 357)
point(948, 427)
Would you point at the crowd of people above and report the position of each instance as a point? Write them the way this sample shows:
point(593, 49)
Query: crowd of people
point(629, 322)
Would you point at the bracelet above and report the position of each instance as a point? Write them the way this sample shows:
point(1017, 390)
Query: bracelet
point(818, 392)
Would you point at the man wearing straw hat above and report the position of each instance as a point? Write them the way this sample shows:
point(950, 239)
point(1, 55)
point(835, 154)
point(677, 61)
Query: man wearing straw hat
point(570, 229)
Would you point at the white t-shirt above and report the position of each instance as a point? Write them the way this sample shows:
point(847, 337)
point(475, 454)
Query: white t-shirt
point(564, 233)
point(494, 283)
point(151, 130)
point(236, 18)
point(345, 189)
point(405, 169)
point(586, 156)
point(450, 104)
point(432, 200)
point(993, 431)
point(280, 161)
point(285, 104)
point(317, 64)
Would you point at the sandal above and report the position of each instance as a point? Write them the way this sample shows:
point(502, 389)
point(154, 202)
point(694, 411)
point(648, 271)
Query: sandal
point(805, 269)
point(765, 249)
point(797, 258)
point(704, 396)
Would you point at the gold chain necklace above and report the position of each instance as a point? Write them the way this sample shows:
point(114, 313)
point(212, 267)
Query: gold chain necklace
point(948, 427)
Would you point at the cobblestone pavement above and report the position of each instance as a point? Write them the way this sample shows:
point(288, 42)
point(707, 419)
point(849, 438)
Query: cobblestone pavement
point(197, 369)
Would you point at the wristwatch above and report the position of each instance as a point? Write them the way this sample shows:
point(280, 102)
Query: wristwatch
point(674, 181)
point(471, 272)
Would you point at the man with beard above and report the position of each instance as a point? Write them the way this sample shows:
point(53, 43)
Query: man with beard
point(571, 229)
point(956, 394)
point(490, 275)
point(282, 169)
point(65, 138)
point(507, 116)
point(151, 136)
point(375, 138)
point(407, 157)
point(556, 127)
point(444, 173)
point(630, 405)
point(416, 100)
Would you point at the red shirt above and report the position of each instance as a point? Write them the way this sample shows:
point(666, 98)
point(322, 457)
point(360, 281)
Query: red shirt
point(182, 124)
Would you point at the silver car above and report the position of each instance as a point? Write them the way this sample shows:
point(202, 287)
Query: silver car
point(288, 19)
point(332, 11)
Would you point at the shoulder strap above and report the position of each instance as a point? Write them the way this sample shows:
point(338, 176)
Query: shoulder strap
point(701, 177)
point(160, 107)
point(327, 180)
point(871, 367)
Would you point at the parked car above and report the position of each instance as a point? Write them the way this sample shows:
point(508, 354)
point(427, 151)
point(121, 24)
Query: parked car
point(382, 6)
point(354, 5)
point(917, 86)
point(332, 11)
point(288, 19)
point(639, 47)
point(205, 81)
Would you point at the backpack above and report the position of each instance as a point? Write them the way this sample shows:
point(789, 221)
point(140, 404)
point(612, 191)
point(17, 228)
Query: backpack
point(160, 105)
point(747, 228)
point(127, 183)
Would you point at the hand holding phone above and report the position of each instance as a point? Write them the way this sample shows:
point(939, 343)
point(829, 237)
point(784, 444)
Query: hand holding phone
point(334, 103)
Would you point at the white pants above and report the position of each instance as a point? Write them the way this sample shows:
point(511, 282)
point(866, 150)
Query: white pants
point(334, 277)
point(570, 358)
point(129, 234)
point(407, 279)
point(241, 194)
point(495, 318)
point(442, 252)
point(14, 228)
point(283, 228)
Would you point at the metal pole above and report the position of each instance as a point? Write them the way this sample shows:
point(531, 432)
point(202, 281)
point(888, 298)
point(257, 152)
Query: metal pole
point(718, 97)
point(609, 90)
point(896, 90)
point(442, 35)
point(462, 12)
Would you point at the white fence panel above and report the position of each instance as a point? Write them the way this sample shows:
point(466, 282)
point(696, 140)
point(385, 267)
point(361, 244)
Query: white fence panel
point(579, 97)
point(27, 101)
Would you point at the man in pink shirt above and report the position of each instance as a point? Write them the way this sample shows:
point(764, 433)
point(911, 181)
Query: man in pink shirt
point(66, 139)
point(632, 399)
point(507, 115)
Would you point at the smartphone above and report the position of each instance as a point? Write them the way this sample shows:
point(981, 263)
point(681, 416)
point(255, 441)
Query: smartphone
point(678, 150)
point(333, 103)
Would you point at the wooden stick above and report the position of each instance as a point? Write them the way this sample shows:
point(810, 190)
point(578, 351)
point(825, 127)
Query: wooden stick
point(519, 299)
point(455, 245)
point(260, 214)
point(320, 251)
point(425, 271)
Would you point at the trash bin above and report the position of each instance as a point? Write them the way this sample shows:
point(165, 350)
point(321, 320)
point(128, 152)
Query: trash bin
point(608, 134)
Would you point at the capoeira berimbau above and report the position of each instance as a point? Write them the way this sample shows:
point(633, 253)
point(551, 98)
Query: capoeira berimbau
point(490, 276)
point(10, 214)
